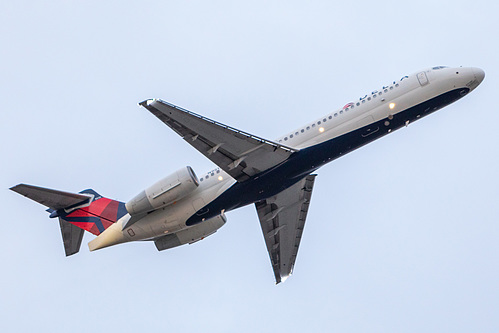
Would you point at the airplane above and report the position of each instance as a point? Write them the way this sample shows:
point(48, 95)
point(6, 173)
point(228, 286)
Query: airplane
point(276, 176)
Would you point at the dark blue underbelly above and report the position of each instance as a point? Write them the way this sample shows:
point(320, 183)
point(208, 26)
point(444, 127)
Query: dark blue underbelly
point(306, 161)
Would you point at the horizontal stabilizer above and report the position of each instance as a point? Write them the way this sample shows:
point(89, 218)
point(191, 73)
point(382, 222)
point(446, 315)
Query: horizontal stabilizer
point(51, 198)
point(71, 237)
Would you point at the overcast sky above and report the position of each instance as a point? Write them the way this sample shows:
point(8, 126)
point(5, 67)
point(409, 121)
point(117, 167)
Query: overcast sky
point(402, 235)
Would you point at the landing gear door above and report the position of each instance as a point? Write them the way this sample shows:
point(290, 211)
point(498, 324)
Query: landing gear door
point(423, 79)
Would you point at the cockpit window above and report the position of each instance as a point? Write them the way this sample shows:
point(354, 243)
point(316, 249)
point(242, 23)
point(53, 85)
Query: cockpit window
point(439, 67)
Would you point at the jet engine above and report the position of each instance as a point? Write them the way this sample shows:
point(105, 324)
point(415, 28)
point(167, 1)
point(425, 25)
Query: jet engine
point(165, 192)
point(192, 234)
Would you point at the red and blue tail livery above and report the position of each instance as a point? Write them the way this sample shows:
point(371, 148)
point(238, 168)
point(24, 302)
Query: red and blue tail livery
point(87, 210)
point(95, 217)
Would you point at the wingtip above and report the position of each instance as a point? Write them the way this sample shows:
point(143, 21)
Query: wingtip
point(147, 102)
point(15, 188)
point(281, 279)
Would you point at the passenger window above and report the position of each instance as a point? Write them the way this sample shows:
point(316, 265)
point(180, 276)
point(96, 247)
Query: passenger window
point(330, 117)
point(386, 90)
point(369, 98)
point(336, 115)
point(286, 139)
point(302, 130)
point(291, 136)
point(313, 125)
point(358, 103)
point(341, 112)
point(308, 127)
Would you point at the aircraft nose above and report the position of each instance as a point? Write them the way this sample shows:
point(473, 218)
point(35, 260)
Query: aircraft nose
point(479, 74)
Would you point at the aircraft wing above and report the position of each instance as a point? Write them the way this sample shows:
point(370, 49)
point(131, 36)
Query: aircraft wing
point(282, 218)
point(238, 153)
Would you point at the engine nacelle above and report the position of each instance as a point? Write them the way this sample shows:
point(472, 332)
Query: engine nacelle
point(165, 192)
point(192, 234)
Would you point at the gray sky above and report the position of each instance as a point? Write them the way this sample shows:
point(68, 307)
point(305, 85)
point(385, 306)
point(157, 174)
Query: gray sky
point(402, 235)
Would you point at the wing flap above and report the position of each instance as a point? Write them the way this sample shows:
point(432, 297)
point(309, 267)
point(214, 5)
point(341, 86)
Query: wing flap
point(240, 154)
point(282, 218)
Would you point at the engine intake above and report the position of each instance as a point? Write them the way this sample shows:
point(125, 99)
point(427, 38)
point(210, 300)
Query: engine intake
point(165, 192)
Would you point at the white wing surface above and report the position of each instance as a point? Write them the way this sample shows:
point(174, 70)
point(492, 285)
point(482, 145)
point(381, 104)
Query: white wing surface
point(240, 154)
point(282, 218)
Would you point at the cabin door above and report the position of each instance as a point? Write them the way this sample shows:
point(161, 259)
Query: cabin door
point(423, 79)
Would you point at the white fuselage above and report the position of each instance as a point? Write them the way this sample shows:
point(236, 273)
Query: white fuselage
point(382, 104)
point(403, 93)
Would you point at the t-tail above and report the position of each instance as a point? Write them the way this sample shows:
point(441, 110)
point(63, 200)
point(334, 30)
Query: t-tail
point(77, 212)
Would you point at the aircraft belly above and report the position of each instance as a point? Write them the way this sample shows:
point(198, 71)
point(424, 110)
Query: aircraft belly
point(308, 160)
point(325, 152)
